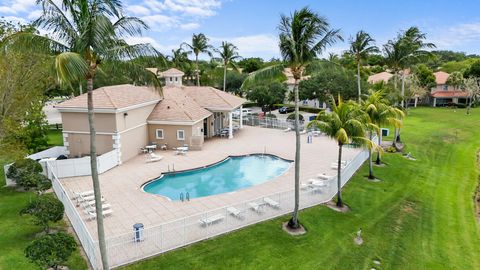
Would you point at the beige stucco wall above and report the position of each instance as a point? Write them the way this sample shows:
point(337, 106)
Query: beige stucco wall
point(132, 141)
point(170, 134)
point(134, 118)
point(78, 121)
point(79, 144)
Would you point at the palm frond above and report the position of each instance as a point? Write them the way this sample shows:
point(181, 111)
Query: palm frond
point(71, 67)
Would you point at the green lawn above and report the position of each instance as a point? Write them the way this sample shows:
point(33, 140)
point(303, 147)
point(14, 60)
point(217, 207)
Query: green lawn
point(421, 216)
point(16, 231)
point(55, 137)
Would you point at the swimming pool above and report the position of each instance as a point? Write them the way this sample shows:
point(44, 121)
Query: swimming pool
point(231, 174)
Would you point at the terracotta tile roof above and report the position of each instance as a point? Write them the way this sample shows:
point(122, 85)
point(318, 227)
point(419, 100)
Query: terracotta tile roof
point(171, 72)
point(382, 76)
point(114, 97)
point(177, 106)
point(449, 94)
point(441, 77)
point(213, 99)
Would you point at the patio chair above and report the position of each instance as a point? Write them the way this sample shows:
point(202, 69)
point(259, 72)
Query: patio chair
point(93, 215)
point(255, 206)
point(317, 183)
point(305, 186)
point(90, 206)
point(235, 212)
point(77, 195)
point(271, 202)
point(152, 157)
point(334, 165)
point(287, 130)
point(324, 176)
point(211, 220)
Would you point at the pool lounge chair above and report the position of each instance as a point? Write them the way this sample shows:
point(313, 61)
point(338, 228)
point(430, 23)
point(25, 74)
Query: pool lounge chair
point(152, 157)
point(287, 130)
point(317, 183)
point(324, 176)
point(235, 212)
point(91, 206)
point(211, 220)
point(77, 195)
point(334, 165)
point(257, 207)
point(93, 215)
point(271, 202)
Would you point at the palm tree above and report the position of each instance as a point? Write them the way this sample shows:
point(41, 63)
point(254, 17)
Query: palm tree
point(228, 54)
point(179, 59)
point(85, 34)
point(346, 124)
point(199, 45)
point(360, 48)
point(303, 36)
point(379, 113)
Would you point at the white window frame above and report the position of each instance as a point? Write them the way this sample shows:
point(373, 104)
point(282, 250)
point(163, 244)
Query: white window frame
point(178, 134)
point(156, 134)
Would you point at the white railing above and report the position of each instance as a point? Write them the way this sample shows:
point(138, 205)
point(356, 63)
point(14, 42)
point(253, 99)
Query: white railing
point(267, 122)
point(122, 249)
point(89, 246)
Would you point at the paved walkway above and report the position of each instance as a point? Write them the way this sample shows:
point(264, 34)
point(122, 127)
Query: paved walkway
point(121, 186)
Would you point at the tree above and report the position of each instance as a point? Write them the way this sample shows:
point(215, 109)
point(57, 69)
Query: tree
point(51, 250)
point(265, 95)
point(44, 209)
point(360, 48)
point(199, 45)
point(303, 36)
point(346, 124)
point(332, 80)
point(472, 86)
point(228, 54)
point(473, 70)
point(251, 64)
point(179, 58)
point(27, 173)
point(234, 82)
point(379, 113)
point(455, 79)
point(425, 76)
point(86, 34)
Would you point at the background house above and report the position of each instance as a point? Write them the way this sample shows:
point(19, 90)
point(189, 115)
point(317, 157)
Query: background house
point(128, 117)
point(443, 94)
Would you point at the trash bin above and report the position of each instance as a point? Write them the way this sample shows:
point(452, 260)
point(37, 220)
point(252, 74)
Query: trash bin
point(138, 232)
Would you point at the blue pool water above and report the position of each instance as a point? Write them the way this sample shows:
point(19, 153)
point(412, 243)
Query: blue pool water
point(229, 175)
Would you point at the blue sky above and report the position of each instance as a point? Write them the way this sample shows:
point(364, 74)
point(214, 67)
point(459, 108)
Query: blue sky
point(251, 25)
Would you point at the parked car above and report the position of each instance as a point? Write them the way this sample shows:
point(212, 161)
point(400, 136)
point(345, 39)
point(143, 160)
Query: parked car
point(285, 109)
point(245, 112)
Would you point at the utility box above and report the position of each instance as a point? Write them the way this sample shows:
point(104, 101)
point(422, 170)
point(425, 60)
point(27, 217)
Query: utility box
point(138, 232)
point(385, 132)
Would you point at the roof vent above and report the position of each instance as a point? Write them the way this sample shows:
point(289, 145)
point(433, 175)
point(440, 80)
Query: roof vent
point(168, 107)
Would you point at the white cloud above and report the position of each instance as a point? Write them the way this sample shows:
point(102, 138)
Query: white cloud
point(15, 19)
point(16, 6)
point(160, 22)
point(138, 10)
point(189, 26)
point(456, 35)
point(166, 49)
point(34, 14)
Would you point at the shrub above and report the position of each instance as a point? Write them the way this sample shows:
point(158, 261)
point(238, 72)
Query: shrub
point(44, 209)
point(292, 117)
point(51, 250)
point(27, 173)
point(391, 149)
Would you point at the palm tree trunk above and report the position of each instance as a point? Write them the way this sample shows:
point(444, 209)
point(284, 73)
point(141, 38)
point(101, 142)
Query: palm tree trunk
point(358, 82)
point(196, 70)
point(378, 162)
point(96, 183)
point(403, 90)
point(339, 177)
point(225, 77)
point(294, 223)
point(370, 160)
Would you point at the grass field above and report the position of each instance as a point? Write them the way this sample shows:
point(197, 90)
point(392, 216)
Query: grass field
point(421, 216)
point(16, 231)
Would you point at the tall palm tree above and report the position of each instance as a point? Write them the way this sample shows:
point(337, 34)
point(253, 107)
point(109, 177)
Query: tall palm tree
point(303, 36)
point(360, 48)
point(179, 58)
point(379, 113)
point(346, 124)
point(85, 34)
point(228, 54)
point(199, 45)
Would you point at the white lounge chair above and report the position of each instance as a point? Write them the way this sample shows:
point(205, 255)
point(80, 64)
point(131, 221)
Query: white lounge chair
point(77, 195)
point(287, 130)
point(152, 157)
point(303, 132)
point(324, 176)
point(255, 206)
point(90, 206)
point(212, 219)
point(335, 166)
point(305, 186)
point(271, 202)
point(93, 215)
point(317, 183)
point(235, 212)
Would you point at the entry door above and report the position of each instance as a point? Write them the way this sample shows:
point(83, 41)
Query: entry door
point(205, 127)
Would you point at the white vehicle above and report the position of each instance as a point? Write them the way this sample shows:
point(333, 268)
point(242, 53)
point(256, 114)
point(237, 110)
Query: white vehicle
point(245, 112)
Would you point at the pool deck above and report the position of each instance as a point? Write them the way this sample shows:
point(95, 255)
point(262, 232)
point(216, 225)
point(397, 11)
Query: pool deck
point(121, 186)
